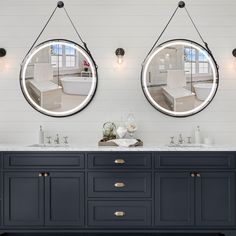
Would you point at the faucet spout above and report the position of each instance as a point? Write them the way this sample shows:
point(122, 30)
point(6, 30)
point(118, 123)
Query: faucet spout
point(57, 140)
point(180, 140)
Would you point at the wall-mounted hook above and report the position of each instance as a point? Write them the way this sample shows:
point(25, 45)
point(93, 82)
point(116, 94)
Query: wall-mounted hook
point(3, 52)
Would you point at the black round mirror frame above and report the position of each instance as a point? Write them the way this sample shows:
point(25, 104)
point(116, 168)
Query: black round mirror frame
point(217, 77)
point(96, 74)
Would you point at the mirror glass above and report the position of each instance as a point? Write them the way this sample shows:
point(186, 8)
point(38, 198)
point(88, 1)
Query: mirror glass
point(58, 78)
point(179, 78)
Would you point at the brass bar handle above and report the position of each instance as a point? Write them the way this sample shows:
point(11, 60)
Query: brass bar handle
point(198, 175)
point(119, 213)
point(40, 174)
point(119, 161)
point(119, 185)
point(46, 174)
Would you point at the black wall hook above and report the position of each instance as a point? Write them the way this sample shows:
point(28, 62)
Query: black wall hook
point(60, 4)
point(234, 52)
point(3, 52)
point(181, 4)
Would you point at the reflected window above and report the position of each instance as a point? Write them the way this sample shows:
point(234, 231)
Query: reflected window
point(56, 55)
point(63, 56)
point(203, 67)
point(195, 62)
point(70, 56)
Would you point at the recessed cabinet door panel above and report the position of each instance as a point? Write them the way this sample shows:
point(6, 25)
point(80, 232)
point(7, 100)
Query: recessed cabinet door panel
point(120, 160)
point(215, 199)
point(119, 184)
point(174, 200)
point(119, 213)
point(64, 199)
point(23, 199)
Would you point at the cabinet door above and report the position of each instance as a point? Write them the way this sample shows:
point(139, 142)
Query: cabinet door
point(23, 198)
point(215, 199)
point(64, 199)
point(174, 199)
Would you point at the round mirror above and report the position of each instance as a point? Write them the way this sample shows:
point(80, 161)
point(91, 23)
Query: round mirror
point(179, 78)
point(58, 78)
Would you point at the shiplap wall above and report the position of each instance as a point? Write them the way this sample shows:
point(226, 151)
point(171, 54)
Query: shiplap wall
point(106, 25)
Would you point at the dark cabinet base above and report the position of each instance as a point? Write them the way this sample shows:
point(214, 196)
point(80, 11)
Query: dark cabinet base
point(121, 234)
point(117, 193)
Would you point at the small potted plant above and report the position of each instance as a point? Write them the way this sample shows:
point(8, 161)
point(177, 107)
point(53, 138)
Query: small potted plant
point(86, 65)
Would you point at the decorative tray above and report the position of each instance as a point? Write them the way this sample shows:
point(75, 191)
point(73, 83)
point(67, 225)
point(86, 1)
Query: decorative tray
point(108, 143)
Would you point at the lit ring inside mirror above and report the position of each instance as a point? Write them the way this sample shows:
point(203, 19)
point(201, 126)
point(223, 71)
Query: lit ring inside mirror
point(58, 78)
point(179, 78)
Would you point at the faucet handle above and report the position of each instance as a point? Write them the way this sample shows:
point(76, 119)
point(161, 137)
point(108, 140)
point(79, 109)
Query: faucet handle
point(49, 139)
point(189, 139)
point(172, 142)
point(65, 140)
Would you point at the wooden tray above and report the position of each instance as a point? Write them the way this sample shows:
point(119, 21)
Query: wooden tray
point(104, 143)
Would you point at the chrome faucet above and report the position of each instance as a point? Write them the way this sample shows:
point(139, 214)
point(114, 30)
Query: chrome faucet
point(49, 140)
point(57, 140)
point(180, 140)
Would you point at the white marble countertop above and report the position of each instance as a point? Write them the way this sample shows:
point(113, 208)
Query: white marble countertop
point(115, 149)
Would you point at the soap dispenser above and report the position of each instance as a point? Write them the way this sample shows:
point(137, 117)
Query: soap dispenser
point(41, 135)
point(197, 135)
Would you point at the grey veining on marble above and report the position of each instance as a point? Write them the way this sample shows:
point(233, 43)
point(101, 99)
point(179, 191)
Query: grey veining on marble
point(115, 149)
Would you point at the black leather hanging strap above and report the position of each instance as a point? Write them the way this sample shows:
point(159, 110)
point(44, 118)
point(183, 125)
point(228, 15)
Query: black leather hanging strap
point(60, 4)
point(181, 4)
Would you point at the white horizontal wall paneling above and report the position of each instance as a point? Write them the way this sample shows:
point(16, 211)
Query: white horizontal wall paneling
point(106, 25)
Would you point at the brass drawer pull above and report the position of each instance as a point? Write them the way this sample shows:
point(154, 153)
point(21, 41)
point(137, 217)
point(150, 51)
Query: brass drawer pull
point(198, 175)
point(119, 161)
point(119, 185)
point(119, 213)
point(40, 174)
point(46, 174)
point(192, 175)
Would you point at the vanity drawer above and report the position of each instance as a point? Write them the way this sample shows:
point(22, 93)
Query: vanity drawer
point(120, 160)
point(43, 160)
point(119, 213)
point(119, 184)
point(195, 160)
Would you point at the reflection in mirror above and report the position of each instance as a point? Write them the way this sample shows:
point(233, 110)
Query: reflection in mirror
point(180, 78)
point(58, 78)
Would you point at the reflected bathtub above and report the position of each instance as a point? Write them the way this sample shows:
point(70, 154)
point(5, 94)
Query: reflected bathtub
point(76, 85)
point(202, 90)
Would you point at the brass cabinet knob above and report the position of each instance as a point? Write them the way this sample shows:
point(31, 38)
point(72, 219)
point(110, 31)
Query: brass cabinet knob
point(40, 174)
point(119, 185)
point(119, 213)
point(46, 174)
point(198, 175)
point(192, 175)
point(119, 161)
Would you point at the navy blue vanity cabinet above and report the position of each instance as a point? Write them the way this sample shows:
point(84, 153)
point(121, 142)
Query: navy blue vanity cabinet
point(215, 199)
point(23, 198)
point(174, 199)
point(43, 189)
point(198, 192)
point(64, 199)
point(120, 189)
point(118, 192)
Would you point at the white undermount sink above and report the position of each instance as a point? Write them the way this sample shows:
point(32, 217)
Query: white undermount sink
point(48, 145)
point(188, 145)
